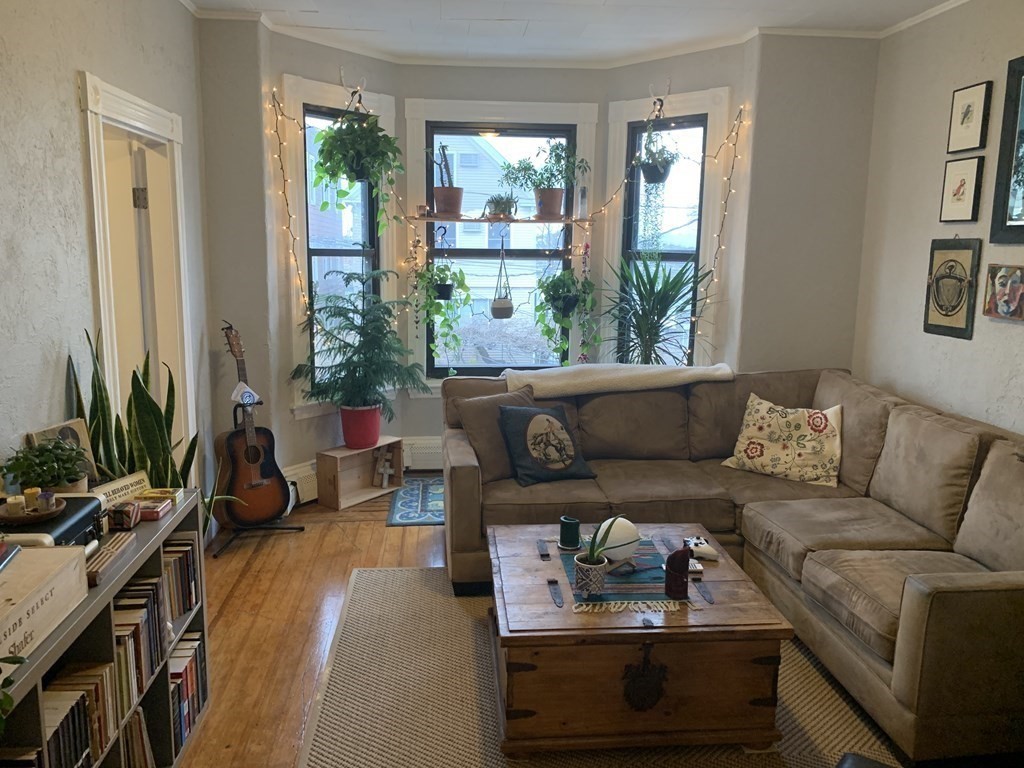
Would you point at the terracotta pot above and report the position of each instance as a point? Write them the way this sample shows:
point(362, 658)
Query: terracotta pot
point(443, 291)
point(653, 174)
point(81, 485)
point(448, 200)
point(502, 309)
point(549, 203)
point(589, 578)
point(360, 426)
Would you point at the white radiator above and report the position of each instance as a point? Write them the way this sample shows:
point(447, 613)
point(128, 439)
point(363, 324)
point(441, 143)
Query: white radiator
point(422, 452)
point(304, 477)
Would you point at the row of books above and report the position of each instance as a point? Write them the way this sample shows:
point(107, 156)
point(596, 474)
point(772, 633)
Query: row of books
point(180, 572)
point(97, 682)
point(141, 633)
point(66, 729)
point(189, 689)
point(136, 749)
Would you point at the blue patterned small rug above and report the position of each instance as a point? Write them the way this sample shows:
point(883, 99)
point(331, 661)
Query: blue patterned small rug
point(419, 502)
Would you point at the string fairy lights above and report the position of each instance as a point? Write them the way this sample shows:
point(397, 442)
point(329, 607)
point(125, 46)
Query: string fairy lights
point(727, 152)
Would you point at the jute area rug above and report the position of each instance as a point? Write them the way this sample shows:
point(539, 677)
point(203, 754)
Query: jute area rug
point(410, 684)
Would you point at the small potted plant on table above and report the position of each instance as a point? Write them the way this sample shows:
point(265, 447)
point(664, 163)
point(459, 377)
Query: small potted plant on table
point(560, 169)
point(360, 356)
point(55, 465)
point(500, 207)
point(591, 564)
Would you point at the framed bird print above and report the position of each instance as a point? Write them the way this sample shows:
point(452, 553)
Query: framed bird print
point(968, 118)
point(961, 190)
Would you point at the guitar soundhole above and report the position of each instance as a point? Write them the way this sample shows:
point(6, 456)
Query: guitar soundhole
point(252, 454)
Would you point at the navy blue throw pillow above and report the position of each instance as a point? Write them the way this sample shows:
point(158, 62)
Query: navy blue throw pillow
point(541, 445)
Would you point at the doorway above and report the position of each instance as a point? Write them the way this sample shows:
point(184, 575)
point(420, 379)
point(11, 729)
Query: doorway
point(135, 161)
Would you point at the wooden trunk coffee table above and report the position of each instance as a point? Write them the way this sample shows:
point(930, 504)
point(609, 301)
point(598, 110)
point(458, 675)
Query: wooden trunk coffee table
point(706, 674)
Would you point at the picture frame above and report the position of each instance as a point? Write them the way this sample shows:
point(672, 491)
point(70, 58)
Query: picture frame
point(72, 431)
point(1008, 200)
point(1004, 292)
point(968, 118)
point(952, 287)
point(961, 190)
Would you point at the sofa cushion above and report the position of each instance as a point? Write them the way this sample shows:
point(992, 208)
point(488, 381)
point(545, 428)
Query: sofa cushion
point(660, 491)
point(788, 531)
point(863, 590)
point(993, 528)
point(505, 502)
point(455, 387)
point(865, 418)
point(634, 425)
point(746, 487)
point(541, 445)
point(926, 467)
point(480, 419)
point(716, 408)
point(795, 443)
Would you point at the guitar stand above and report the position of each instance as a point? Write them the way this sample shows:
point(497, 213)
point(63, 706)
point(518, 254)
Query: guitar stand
point(265, 528)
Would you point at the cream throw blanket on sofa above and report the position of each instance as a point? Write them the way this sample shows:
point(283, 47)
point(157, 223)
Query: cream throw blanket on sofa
point(611, 377)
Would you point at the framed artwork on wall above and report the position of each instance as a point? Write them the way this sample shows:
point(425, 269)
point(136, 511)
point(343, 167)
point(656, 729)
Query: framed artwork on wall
point(968, 118)
point(961, 190)
point(1003, 288)
point(952, 287)
point(1008, 206)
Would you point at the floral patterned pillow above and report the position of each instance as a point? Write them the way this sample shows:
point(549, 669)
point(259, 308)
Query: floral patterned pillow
point(795, 443)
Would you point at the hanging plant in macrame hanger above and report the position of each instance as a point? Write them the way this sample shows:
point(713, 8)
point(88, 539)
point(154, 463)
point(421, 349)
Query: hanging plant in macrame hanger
point(501, 305)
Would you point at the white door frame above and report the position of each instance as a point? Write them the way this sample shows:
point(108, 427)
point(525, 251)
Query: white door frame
point(103, 104)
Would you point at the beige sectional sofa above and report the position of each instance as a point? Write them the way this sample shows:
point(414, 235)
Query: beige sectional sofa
point(906, 580)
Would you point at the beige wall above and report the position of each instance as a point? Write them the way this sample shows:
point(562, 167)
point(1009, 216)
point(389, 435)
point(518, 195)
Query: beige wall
point(918, 71)
point(47, 295)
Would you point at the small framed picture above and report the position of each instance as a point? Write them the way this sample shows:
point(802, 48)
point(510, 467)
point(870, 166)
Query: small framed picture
point(968, 118)
point(1003, 290)
point(961, 190)
point(952, 287)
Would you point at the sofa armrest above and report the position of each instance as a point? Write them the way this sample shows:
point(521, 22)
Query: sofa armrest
point(958, 644)
point(462, 493)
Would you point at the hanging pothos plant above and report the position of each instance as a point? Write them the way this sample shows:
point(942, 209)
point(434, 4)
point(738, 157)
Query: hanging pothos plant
point(441, 308)
point(355, 148)
point(563, 297)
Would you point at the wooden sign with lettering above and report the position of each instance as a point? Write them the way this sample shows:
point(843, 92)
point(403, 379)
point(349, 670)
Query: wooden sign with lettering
point(38, 589)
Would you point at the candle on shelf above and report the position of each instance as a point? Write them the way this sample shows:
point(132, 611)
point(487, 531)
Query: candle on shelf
point(47, 502)
point(31, 497)
point(15, 505)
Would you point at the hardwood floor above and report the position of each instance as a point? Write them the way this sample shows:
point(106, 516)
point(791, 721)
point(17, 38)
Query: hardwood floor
point(274, 604)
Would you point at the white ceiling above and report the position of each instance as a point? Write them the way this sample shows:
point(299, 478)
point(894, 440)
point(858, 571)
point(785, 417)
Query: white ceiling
point(591, 33)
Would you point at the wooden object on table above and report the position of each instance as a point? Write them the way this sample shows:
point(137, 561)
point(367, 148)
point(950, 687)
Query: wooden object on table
point(701, 675)
point(345, 476)
point(86, 636)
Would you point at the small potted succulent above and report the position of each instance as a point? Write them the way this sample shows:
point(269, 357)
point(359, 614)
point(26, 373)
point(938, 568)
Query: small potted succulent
point(447, 197)
point(657, 159)
point(501, 207)
point(54, 465)
point(560, 169)
point(591, 563)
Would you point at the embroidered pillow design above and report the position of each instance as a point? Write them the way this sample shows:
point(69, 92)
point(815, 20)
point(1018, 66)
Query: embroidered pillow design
point(794, 443)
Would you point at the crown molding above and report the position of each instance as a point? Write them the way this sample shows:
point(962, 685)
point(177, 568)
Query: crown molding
point(318, 37)
point(915, 20)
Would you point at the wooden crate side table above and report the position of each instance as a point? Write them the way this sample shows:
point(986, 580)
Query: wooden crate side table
point(345, 476)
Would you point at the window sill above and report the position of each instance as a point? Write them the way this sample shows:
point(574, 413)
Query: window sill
point(312, 410)
point(435, 391)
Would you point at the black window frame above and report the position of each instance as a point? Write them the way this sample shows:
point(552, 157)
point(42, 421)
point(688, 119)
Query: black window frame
point(544, 130)
point(370, 255)
point(631, 207)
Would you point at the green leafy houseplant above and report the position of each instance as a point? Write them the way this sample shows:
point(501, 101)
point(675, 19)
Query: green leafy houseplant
point(561, 168)
point(142, 440)
point(563, 296)
point(652, 309)
point(439, 294)
point(355, 147)
point(501, 206)
point(359, 355)
point(6, 700)
point(596, 547)
point(48, 465)
point(656, 159)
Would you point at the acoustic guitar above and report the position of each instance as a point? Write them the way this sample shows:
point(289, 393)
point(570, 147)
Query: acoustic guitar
point(252, 472)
